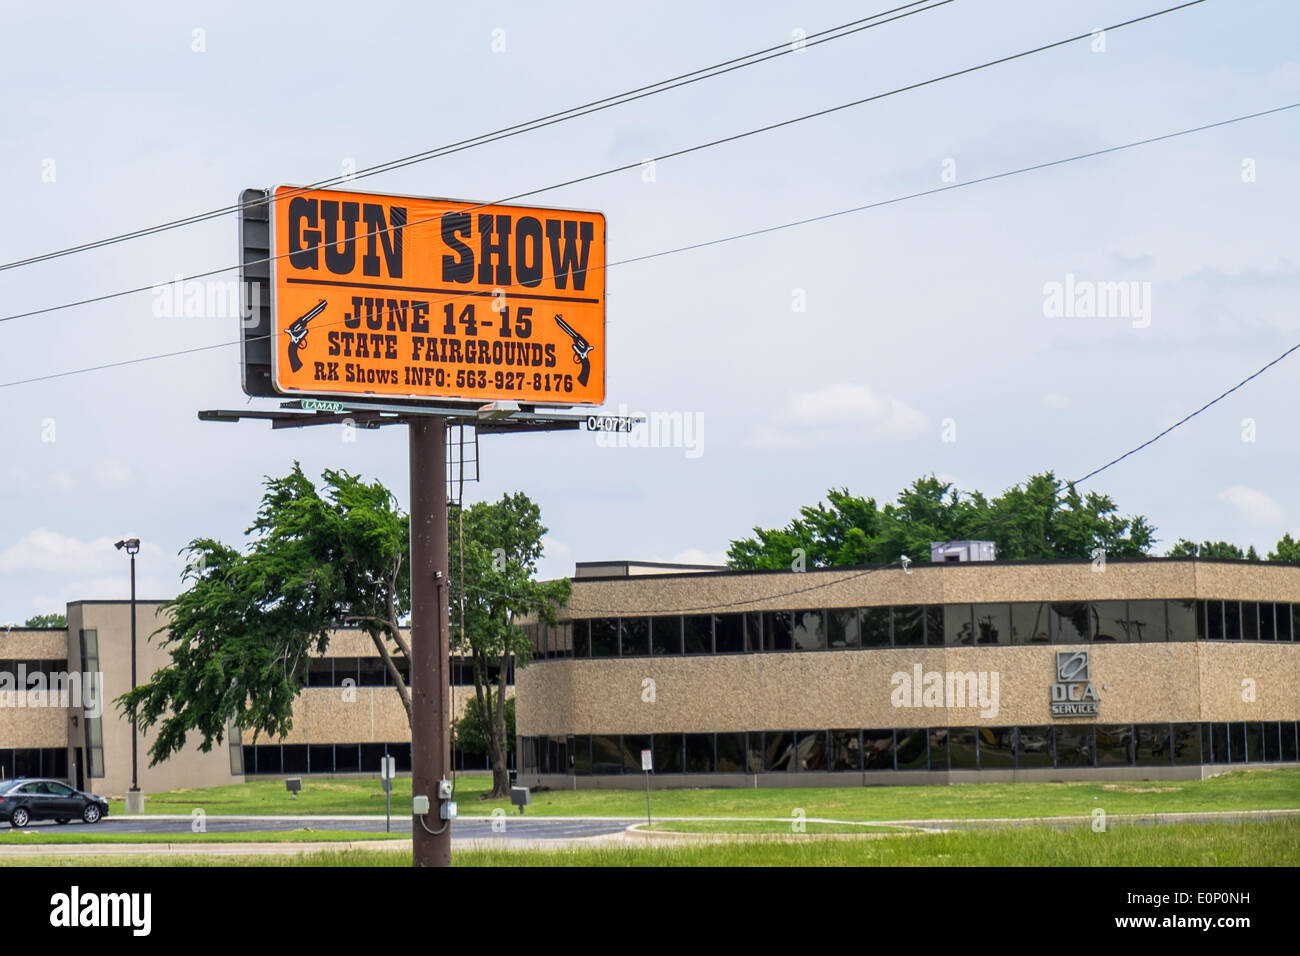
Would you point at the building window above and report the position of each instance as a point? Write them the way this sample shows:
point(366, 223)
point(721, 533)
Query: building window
point(1232, 620)
point(1109, 623)
point(1267, 625)
point(1289, 741)
point(992, 623)
point(810, 750)
point(667, 753)
point(778, 631)
point(581, 638)
point(846, 750)
point(729, 633)
point(961, 749)
point(1236, 743)
point(875, 626)
point(582, 754)
point(1186, 620)
point(842, 628)
point(632, 746)
point(697, 633)
point(1249, 621)
point(606, 754)
point(1071, 622)
point(1187, 744)
point(732, 753)
point(809, 631)
point(1034, 747)
point(997, 748)
point(938, 748)
point(1214, 620)
point(957, 627)
point(604, 637)
point(1152, 745)
point(295, 758)
point(1272, 742)
point(1114, 745)
point(778, 751)
point(320, 758)
point(635, 636)
point(347, 758)
point(699, 752)
point(909, 626)
point(913, 749)
point(878, 749)
point(666, 636)
point(1030, 624)
point(1074, 746)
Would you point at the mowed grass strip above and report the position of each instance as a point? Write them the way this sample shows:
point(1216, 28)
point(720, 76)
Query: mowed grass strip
point(771, 827)
point(1271, 843)
point(1271, 789)
point(42, 836)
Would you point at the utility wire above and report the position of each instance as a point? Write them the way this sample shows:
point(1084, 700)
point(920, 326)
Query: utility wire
point(628, 166)
point(751, 233)
point(586, 109)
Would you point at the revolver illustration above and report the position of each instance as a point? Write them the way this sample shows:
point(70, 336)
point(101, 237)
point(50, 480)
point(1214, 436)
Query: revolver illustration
point(297, 333)
point(581, 349)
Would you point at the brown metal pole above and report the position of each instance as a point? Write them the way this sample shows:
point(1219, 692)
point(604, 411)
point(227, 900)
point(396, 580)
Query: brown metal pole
point(430, 756)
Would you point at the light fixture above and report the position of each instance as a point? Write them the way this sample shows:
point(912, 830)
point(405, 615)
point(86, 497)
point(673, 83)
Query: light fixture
point(906, 562)
point(132, 545)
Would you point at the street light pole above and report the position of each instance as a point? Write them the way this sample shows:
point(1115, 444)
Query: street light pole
point(132, 546)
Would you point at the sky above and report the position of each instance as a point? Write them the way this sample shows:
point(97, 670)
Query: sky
point(949, 334)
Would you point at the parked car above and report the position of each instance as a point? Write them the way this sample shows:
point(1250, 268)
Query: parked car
point(26, 799)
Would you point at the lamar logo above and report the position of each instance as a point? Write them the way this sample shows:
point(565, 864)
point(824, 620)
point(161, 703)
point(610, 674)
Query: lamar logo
point(1073, 694)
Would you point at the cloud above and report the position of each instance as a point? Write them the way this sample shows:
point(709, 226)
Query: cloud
point(1056, 400)
point(112, 473)
point(50, 552)
point(698, 556)
point(1252, 505)
point(834, 412)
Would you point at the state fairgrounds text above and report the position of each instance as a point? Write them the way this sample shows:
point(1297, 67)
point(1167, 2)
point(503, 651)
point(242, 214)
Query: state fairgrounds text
point(1150, 669)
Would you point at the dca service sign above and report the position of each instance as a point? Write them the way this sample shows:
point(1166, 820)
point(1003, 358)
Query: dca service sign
point(402, 297)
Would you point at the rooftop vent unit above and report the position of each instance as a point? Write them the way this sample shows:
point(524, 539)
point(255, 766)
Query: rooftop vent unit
point(950, 552)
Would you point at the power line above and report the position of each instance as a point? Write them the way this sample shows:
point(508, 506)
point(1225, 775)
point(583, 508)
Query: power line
point(757, 232)
point(1188, 418)
point(541, 122)
point(629, 166)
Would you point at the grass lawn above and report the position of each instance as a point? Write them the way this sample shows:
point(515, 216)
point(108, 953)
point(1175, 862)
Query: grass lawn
point(1238, 790)
point(1271, 843)
point(44, 835)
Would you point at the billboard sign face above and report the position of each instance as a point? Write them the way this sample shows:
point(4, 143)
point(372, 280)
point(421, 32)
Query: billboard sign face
point(396, 297)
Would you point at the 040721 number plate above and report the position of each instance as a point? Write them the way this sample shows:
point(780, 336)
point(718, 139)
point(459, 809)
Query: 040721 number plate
point(610, 423)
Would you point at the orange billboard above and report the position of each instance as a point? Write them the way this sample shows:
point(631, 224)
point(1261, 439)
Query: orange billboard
point(398, 297)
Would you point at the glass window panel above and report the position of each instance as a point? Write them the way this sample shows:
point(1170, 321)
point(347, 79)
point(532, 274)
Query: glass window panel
point(997, 748)
point(1186, 620)
point(1287, 617)
point(912, 751)
point(1152, 745)
point(1290, 738)
point(957, 627)
point(731, 753)
point(606, 754)
point(581, 754)
point(992, 623)
point(909, 626)
point(1214, 620)
point(604, 637)
point(753, 631)
point(810, 750)
point(320, 672)
point(1219, 743)
point(1267, 625)
point(347, 758)
point(1034, 747)
point(753, 751)
point(1232, 620)
point(635, 636)
point(874, 624)
point(699, 753)
point(581, 631)
point(1074, 745)
point(250, 759)
point(1071, 622)
point(843, 628)
point(878, 749)
point(809, 631)
point(778, 751)
point(268, 758)
point(778, 627)
point(1110, 623)
point(729, 633)
point(1249, 621)
point(1272, 742)
point(1030, 623)
point(933, 616)
point(1254, 742)
point(666, 635)
point(372, 757)
point(346, 668)
point(1114, 745)
point(295, 758)
point(698, 629)
point(401, 754)
point(632, 746)
point(1237, 743)
point(845, 750)
point(961, 748)
point(320, 758)
point(1145, 623)
point(667, 753)
point(939, 748)
point(371, 672)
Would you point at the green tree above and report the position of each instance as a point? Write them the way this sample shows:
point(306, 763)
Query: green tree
point(472, 730)
point(1039, 519)
point(1287, 550)
point(1212, 550)
point(241, 635)
point(47, 620)
point(496, 560)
